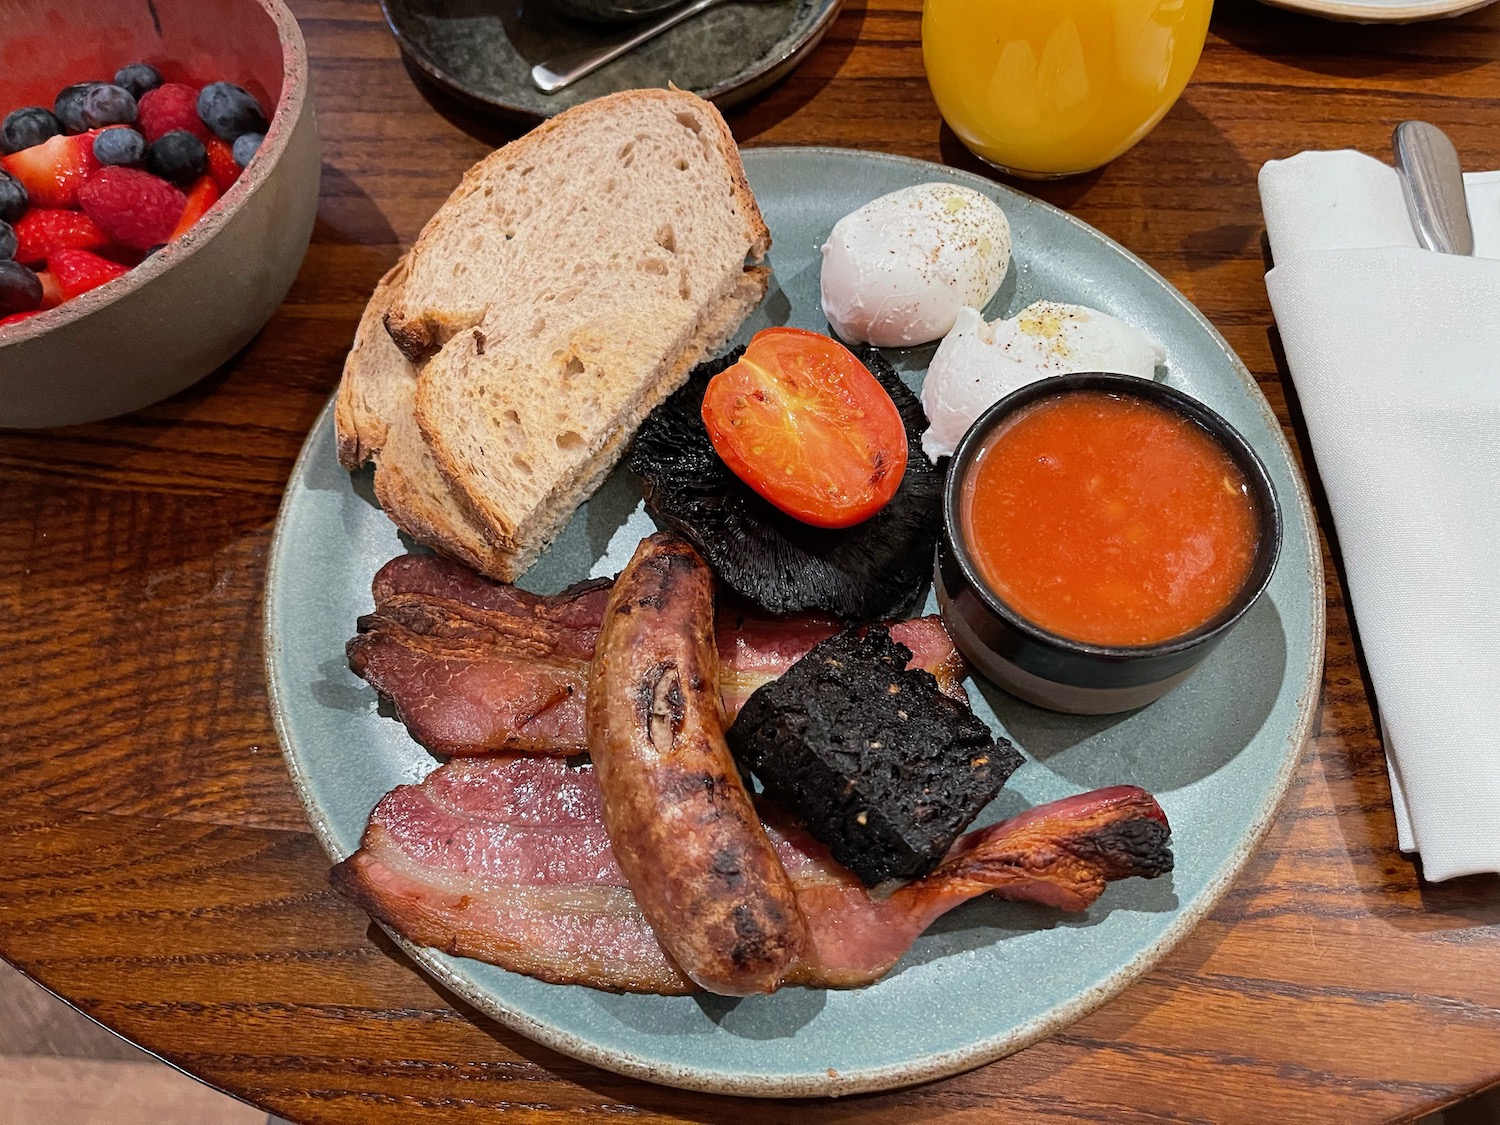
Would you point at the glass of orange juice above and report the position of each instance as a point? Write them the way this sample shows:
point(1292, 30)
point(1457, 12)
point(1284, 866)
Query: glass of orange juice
point(1045, 88)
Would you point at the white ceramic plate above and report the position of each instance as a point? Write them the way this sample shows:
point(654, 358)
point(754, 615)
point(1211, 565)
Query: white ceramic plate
point(990, 977)
point(1381, 11)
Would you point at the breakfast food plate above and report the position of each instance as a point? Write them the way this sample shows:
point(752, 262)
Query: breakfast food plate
point(729, 53)
point(990, 977)
point(1381, 11)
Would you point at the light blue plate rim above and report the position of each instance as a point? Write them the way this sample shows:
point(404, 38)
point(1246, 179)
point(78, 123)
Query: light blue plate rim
point(652, 1065)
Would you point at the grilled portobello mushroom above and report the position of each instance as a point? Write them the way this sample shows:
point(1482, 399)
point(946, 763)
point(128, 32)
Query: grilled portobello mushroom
point(877, 568)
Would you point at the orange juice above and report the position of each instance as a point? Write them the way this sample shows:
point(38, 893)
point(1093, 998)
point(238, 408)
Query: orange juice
point(1054, 87)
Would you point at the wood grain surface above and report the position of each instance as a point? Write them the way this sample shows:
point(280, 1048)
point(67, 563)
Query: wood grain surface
point(157, 869)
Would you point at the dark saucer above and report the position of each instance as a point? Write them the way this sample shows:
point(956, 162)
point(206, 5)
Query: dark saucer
point(482, 51)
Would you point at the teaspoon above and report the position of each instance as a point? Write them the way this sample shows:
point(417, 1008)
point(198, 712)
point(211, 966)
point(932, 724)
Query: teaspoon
point(564, 70)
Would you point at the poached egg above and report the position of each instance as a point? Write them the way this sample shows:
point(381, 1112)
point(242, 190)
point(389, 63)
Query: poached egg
point(979, 363)
point(896, 271)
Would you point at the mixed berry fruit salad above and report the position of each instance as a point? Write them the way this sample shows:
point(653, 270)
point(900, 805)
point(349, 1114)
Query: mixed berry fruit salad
point(109, 174)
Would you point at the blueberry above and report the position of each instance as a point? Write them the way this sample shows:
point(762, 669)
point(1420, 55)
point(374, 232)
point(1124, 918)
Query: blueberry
point(120, 145)
point(106, 104)
point(138, 78)
point(20, 289)
point(230, 111)
point(245, 146)
point(177, 156)
point(7, 241)
point(26, 127)
point(69, 107)
point(13, 198)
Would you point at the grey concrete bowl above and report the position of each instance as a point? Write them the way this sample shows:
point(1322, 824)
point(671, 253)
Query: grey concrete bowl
point(192, 305)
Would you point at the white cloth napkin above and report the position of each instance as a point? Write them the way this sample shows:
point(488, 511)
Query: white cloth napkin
point(1395, 352)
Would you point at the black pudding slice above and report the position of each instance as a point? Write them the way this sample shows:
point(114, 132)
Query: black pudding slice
point(880, 765)
point(874, 569)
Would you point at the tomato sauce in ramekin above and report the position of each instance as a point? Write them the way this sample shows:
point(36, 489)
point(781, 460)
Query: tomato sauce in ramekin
point(1108, 519)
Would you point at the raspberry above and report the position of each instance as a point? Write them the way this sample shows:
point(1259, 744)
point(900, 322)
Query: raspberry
point(78, 271)
point(40, 233)
point(132, 207)
point(169, 107)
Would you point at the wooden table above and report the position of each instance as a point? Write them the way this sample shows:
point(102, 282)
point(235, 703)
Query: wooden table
point(159, 874)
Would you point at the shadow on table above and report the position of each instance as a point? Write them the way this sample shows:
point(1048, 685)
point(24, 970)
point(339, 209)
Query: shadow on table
point(1155, 166)
point(347, 216)
point(766, 110)
point(1347, 50)
point(708, 1109)
point(1062, 193)
point(700, 1108)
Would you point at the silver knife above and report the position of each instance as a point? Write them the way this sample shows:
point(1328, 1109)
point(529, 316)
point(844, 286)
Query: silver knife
point(1432, 180)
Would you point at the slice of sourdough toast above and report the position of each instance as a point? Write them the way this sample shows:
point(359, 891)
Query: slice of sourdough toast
point(569, 285)
point(716, 330)
point(571, 193)
point(375, 420)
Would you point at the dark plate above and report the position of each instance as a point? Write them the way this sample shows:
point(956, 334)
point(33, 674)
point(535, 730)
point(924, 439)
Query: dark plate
point(482, 51)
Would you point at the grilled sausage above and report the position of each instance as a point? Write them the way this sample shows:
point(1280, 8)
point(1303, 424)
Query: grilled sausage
point(682, 826)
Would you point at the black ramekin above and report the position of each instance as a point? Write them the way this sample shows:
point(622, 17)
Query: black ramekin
point(1074, 676)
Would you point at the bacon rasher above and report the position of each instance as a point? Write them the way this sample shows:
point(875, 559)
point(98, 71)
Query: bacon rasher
point(474, 667)
point(505, 859)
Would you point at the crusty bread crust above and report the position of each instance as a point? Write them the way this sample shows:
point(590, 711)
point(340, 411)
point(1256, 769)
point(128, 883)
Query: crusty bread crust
point(359, 421)
point(419, 332)
point(374, 421)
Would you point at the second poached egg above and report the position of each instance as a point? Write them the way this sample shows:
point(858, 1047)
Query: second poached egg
point(979, 363)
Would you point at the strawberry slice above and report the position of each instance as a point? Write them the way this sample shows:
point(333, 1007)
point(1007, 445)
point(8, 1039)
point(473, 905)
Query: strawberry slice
point(78, 271)
point(41, 233)
point(52, 294)
point(54, 170)
point(14, 317)
point(222, 165)
point(200, 197)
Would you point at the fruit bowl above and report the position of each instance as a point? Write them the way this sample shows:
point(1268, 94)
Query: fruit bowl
point(200, 298)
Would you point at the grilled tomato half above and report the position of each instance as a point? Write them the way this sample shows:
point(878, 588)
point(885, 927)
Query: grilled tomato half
point(804, 423)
